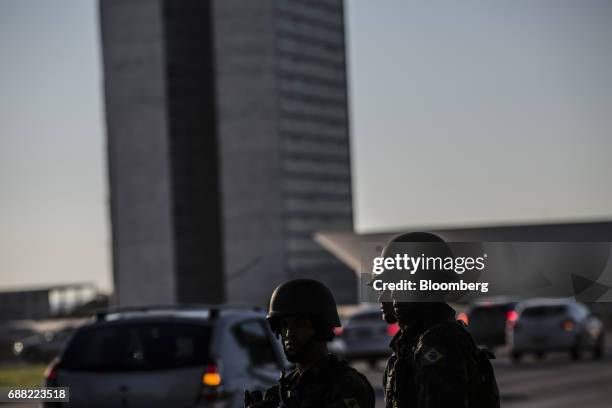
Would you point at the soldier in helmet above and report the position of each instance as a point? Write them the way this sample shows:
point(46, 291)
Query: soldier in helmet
point(303, 313)
point(435, 362)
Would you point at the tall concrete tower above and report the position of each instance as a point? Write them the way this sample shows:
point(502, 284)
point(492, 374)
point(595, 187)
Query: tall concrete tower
point(228, 146)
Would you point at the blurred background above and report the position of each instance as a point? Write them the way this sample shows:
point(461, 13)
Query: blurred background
point(176, 152)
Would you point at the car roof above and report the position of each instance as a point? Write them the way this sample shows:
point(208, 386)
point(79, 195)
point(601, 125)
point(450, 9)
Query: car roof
point(497, 301)
point(538, 302)
point(494, 300)
point(174, 313)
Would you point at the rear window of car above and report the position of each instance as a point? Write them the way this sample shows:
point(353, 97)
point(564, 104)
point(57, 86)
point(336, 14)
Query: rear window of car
point(491, 311)
point(544, 311)
point(142, 346)
point(363, 317)
point(255, 343)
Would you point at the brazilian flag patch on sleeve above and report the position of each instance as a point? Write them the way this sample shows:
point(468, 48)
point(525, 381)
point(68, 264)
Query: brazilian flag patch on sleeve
point(351, 403)
point(432, 356)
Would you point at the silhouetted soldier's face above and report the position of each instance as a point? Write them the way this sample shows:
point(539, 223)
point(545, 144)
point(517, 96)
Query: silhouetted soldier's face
point(386, 306)
point(298, 336)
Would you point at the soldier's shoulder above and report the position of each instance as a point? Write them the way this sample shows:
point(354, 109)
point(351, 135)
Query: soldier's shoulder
point(353, 388)
point(443, 343)
point(355, 376)
point(346, 376)
point(446, 333)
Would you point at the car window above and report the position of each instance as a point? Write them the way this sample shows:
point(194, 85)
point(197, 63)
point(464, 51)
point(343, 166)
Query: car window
point(364, 317)
point(138, 346)
point(544, 311)
point(254, 340)
point(491, 311)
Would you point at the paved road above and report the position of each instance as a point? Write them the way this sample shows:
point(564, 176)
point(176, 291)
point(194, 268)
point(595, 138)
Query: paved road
point(554, 382)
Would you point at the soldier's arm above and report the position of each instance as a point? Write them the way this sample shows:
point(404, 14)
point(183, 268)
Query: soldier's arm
point(441, 376)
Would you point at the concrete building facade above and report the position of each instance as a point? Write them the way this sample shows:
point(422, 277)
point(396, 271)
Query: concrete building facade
point(228, 146)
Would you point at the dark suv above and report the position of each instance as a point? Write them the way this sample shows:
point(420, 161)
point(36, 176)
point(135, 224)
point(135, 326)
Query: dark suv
point(165, 356)
point(488, 320)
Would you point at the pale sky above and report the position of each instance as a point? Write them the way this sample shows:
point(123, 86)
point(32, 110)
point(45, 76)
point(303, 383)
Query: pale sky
point(462, 113)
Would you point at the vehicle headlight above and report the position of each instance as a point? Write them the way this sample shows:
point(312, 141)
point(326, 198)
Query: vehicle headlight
point(17, 347)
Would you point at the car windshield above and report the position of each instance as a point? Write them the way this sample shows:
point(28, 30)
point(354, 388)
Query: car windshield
point(544, 311)
point(148, 346)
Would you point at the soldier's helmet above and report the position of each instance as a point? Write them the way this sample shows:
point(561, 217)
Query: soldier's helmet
point(418, 244)
point(306, 297)
point(394, 245)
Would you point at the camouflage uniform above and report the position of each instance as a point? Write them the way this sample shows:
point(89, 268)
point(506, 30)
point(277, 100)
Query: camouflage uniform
point(436, 364)
point(328, 384)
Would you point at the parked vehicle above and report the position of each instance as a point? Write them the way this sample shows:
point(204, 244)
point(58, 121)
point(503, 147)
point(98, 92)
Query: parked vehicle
point(365, 336)
point(168, 356)
point(42, 347)
point(544, 325)
point(487, 321)
point(11, 332)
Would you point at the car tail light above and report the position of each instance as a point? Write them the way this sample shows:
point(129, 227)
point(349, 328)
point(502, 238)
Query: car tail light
point(568, 325)
point(512, 319)
point(392, 329)
point(464, 318)
point(211, 383)
point(512, 316)
point(338, 331)
point(51, 373)
point(211, 376)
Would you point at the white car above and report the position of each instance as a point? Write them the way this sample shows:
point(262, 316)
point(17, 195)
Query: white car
point(168, 356)
point(544, 325)
point(364, 336)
